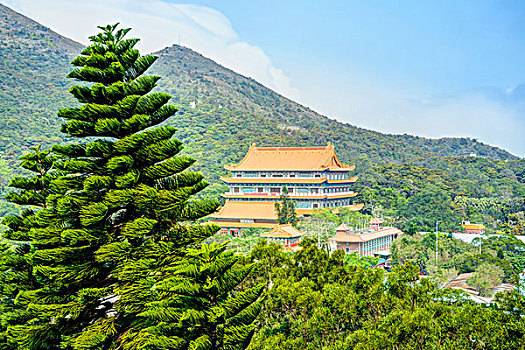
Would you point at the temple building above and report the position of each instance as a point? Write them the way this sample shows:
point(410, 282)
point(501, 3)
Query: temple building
point(314, 176)
point(285, 235)
point(376, 240)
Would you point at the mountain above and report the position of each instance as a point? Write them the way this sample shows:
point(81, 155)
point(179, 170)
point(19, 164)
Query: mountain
point(221, 114)
point(33, 63)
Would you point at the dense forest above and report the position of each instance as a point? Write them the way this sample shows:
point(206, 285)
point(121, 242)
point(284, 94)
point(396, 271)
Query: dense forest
point(318, 301)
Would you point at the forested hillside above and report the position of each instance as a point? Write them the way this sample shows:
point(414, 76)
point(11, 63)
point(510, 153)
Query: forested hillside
point(222, 113)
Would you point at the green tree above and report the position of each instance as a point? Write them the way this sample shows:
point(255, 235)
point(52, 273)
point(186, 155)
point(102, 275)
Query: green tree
point(16, 270)
point(286, 209)
point(486, 277)
point(197, 308)
point(123, 207)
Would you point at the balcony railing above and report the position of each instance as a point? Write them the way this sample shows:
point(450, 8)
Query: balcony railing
point(310, 194)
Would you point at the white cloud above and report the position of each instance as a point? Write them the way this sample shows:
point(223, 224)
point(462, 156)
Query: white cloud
point(160, 24)
point(491, 115)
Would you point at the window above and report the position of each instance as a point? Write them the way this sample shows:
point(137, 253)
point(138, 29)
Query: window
point(275, 190)
point(317, 175)
point(315, 205)
point(315, 190)
point(263, 175)
point(260, 189)
point(277, 175)
point(236, 189)
point(302, 205)
point(239, 175)
point(292, 175)
point(290, 190)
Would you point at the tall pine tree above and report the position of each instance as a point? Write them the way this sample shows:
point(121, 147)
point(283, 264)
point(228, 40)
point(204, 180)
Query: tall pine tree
point(123, 206)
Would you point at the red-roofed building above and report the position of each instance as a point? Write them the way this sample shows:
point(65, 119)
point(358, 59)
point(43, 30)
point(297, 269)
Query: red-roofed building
point(285, 235)
point(375, 224)
point(366, 243)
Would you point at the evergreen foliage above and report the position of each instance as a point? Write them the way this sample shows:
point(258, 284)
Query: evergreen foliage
point(16, 269)
point(121, 208)
point(196, 306)
point(286, 209)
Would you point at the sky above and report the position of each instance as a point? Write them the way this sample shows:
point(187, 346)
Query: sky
point(427, 68)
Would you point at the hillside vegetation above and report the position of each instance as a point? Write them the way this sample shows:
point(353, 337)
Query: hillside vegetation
point(222, 113)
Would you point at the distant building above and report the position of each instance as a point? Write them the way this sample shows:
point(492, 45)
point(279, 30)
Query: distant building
point(473, 228)
point(314, 176)
point(375, 240)
point(285, 235)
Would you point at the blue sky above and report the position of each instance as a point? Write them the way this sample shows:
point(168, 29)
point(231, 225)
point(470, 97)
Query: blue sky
point(430, 68)
point(439, 44)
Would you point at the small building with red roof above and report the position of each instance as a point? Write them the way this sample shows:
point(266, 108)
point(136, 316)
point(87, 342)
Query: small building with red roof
point(285, 235)
point(375, 239)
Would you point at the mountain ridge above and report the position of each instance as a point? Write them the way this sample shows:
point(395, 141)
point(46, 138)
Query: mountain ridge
point(189, 52)
point(34, 39)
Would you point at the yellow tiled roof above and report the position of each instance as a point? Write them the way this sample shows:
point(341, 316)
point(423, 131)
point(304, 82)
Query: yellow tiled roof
point(356, 207)
point(246, 210)
point(474, 226)
point(289, 158)
point(283, 231)
point(258, 210)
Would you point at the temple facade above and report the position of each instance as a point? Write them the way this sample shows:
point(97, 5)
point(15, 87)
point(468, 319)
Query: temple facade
point(314, 176)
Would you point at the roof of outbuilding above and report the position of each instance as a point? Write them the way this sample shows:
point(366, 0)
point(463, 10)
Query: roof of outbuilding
point(365, 237)
point(283, 231)
point(343, 227)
